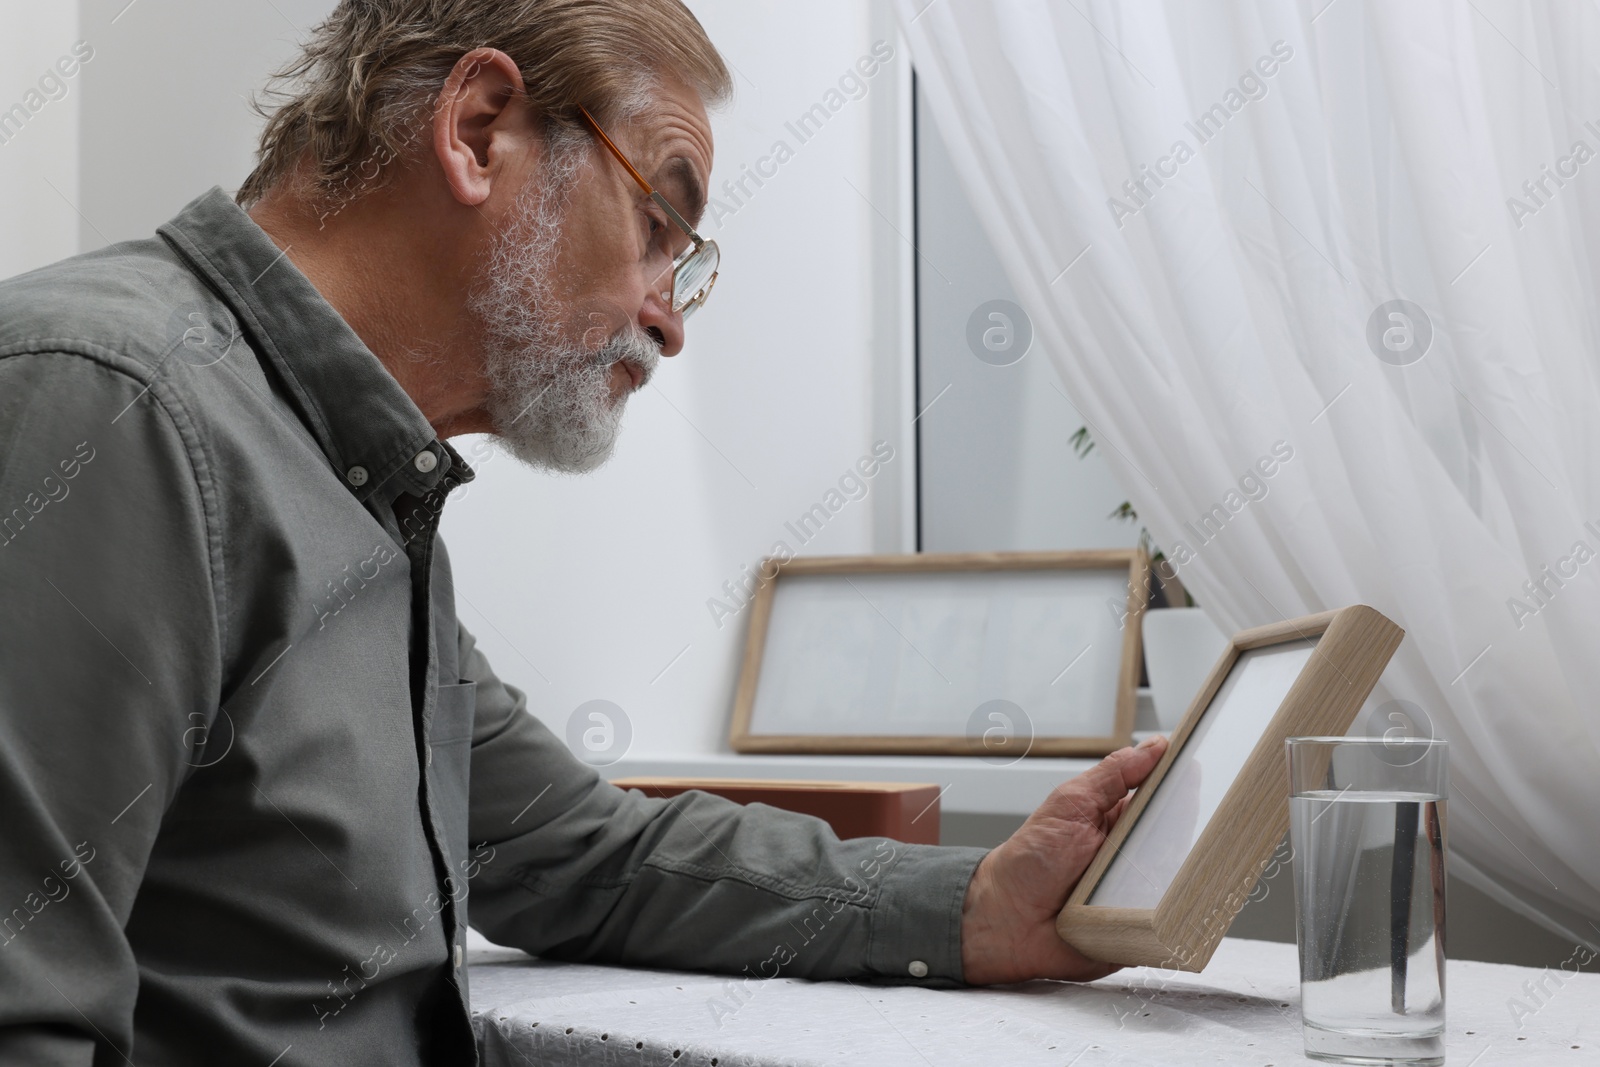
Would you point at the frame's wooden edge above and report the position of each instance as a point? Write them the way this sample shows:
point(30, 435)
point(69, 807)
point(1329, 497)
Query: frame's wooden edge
point(1364, 630)
point(1289, 629)
point(820, 785)
point(918, 745)
point(1077, 559)
point(1139, 581)
point(1127, 936)
point(742, 741)
point(755, 642)
point(1122, 932)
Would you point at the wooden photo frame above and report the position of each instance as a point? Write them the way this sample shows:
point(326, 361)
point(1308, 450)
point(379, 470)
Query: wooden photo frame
point(992, 654)
point(1188, 850)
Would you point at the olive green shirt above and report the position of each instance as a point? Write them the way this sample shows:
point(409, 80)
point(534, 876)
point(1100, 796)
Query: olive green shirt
point(251, 765)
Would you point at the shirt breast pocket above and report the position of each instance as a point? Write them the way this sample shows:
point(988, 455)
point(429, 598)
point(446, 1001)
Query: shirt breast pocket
point(450, 762)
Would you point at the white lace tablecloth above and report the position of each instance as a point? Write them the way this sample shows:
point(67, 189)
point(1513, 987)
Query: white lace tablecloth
point(1244, 1009)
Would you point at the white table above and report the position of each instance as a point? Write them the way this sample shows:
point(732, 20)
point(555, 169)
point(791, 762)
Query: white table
point(1244, 1009)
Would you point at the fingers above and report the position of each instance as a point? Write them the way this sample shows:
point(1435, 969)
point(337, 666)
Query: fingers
point(1143, 760)
point(1098, 971)
point(1116, 812)
point(1110, 780)
point(1093, 795)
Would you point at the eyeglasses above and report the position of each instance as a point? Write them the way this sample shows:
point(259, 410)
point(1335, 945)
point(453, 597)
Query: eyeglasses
point(694, 270)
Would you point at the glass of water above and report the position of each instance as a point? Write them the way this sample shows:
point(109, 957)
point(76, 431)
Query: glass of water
point(1367, 823)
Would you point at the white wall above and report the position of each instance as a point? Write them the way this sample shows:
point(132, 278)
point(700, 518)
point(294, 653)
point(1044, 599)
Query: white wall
point(164, 103)
point(39, 224)
point(597, 584)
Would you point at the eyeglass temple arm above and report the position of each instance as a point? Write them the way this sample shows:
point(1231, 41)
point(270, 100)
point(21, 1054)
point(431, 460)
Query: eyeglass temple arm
point(650, 191)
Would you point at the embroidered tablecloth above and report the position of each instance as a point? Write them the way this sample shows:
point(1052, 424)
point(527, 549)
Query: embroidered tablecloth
point(1244, 1009)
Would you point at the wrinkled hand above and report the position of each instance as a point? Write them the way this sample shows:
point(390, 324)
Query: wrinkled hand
point(1008, 921)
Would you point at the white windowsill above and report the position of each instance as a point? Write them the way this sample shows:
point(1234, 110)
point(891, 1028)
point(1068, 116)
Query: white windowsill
point(971, 785)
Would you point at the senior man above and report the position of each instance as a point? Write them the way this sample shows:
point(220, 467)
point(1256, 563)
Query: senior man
point(250, 762)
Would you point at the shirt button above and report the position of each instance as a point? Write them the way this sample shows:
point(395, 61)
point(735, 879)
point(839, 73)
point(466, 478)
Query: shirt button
point(425, 461)
point(356, 475)
point(457, 957)
point(918, 969)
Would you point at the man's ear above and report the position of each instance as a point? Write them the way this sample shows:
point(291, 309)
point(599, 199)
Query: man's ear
point(478, 122)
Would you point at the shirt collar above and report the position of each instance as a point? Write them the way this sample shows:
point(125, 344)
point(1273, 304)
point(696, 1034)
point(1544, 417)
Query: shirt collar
point(372, 432)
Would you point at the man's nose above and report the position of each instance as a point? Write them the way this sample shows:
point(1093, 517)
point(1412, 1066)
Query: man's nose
point(659, 320)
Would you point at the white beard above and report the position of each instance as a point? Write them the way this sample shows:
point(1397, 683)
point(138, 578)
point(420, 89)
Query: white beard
point(549, 396)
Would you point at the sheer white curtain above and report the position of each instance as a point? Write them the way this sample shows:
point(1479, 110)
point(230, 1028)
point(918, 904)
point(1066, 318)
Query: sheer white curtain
point(1204, 207)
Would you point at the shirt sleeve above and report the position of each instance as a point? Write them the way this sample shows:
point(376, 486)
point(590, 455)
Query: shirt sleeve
point(574, 868)
point(108, 649)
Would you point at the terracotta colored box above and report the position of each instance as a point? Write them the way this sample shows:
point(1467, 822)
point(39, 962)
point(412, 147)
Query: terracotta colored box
point(900, 811)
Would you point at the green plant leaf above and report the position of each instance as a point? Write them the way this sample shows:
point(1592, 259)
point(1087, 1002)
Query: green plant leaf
point(1082, 443)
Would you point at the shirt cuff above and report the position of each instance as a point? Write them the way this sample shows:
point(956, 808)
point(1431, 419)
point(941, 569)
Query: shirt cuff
point(915, 929)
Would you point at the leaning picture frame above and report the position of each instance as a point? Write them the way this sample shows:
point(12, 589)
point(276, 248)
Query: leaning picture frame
point(1187, 852)
point(992, 654)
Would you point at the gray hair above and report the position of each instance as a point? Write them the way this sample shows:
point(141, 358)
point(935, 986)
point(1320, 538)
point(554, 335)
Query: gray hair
point(358, 96)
